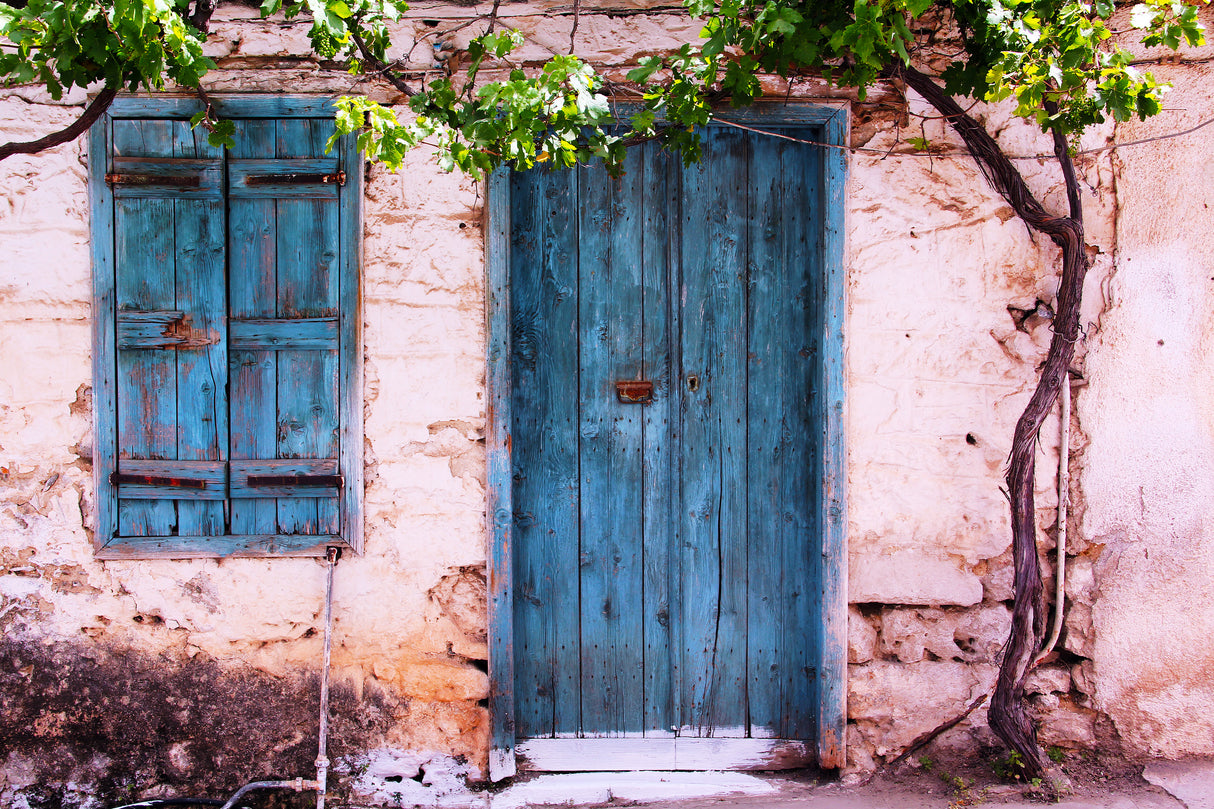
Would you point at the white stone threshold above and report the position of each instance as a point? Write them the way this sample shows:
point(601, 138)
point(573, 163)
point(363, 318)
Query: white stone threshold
point(665, 754)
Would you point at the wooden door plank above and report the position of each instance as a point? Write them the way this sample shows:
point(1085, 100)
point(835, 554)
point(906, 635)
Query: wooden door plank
point(832, 680)
point(809, 169)
point(235, 105)
point(713, 456)
point(144, 257)
point(285, 178)
point(781, 519)
point(253, 291)
point(499, 489)
point(544, 441)
point(610, 337)
point(201, 293)
point(659, 213)
point(272, 334)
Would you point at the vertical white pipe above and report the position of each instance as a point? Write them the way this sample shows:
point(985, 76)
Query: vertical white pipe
point(322, 745)
point(1064, 485)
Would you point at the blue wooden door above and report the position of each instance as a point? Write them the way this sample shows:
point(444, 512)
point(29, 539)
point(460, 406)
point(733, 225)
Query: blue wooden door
point(666, 434)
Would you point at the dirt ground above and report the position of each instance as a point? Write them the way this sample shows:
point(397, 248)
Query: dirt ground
point(935, 782)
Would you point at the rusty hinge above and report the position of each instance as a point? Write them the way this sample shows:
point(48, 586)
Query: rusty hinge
point(296, 179)
point(256, 481)
point(157, 480)
point(634, 391)
point(183, 180)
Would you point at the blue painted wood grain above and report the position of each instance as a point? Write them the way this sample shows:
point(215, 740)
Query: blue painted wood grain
point(785, 281)
point(201, 293)
point(183, 106)
point(713, 454)
point(104, 362)
point(145, 255)
point(657, 215)
point(307, 287)
point(610, 348)
point(350, 352)
point(279, 178)
point(832, 676)
point(499, 490)
point(170, 479)
point(544, 439)
point(253, 372)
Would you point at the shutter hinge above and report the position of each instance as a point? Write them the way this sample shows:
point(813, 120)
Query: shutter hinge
point(256, 481)
point(296, 179)
point(185, 181)
point(118, 478)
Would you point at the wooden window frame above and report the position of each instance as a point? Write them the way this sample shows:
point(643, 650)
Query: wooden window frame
point(832, 689)
point(107, 544)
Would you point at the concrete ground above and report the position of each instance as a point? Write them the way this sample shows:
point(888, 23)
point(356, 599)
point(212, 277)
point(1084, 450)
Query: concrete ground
point(1162, 785)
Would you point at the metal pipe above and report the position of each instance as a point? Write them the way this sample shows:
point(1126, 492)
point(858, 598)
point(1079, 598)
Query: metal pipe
point(299, 785)
point(1064, 486)
point(156, 803)
point(332, 554)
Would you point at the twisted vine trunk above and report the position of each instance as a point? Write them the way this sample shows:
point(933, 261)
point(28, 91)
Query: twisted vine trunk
point(1008, 715)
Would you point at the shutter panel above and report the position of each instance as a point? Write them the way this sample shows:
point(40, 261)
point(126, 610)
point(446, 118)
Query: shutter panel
point(284, 277)
point(171, 330)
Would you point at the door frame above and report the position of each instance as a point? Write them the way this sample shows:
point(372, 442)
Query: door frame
point(832, 682)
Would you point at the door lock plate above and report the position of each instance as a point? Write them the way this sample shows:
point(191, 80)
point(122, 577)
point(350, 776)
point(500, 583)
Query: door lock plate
point(634, 391)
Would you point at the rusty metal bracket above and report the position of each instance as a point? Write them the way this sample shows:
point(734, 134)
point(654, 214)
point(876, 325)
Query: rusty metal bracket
point(118, 478)
point(183, 180)
point(296, 179)
point(634, 391)
point(256, 481)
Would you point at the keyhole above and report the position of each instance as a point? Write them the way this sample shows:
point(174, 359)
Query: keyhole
point(693, 383)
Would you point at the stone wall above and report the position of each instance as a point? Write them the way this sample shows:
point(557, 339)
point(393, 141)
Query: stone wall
point(126, 678)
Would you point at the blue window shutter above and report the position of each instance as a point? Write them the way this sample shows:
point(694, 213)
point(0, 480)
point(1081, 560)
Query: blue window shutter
point(227, 343)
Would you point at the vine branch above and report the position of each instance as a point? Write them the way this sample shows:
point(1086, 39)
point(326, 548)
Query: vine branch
point(379, 67)
point(1008, 716)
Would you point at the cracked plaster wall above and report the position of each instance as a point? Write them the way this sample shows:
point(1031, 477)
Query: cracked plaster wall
point(938, 371)
point(1148, 415)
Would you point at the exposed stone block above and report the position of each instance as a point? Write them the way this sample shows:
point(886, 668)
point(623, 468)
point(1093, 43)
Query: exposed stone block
point(1048, 680)
point(911, 577)
point(861, 637)
point(1068, 725)
point(974, 635)
point(892, 703)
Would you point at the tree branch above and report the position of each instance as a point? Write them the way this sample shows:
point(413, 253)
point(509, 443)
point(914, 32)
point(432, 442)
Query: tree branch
point(1008, 716)
point(91, 113)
